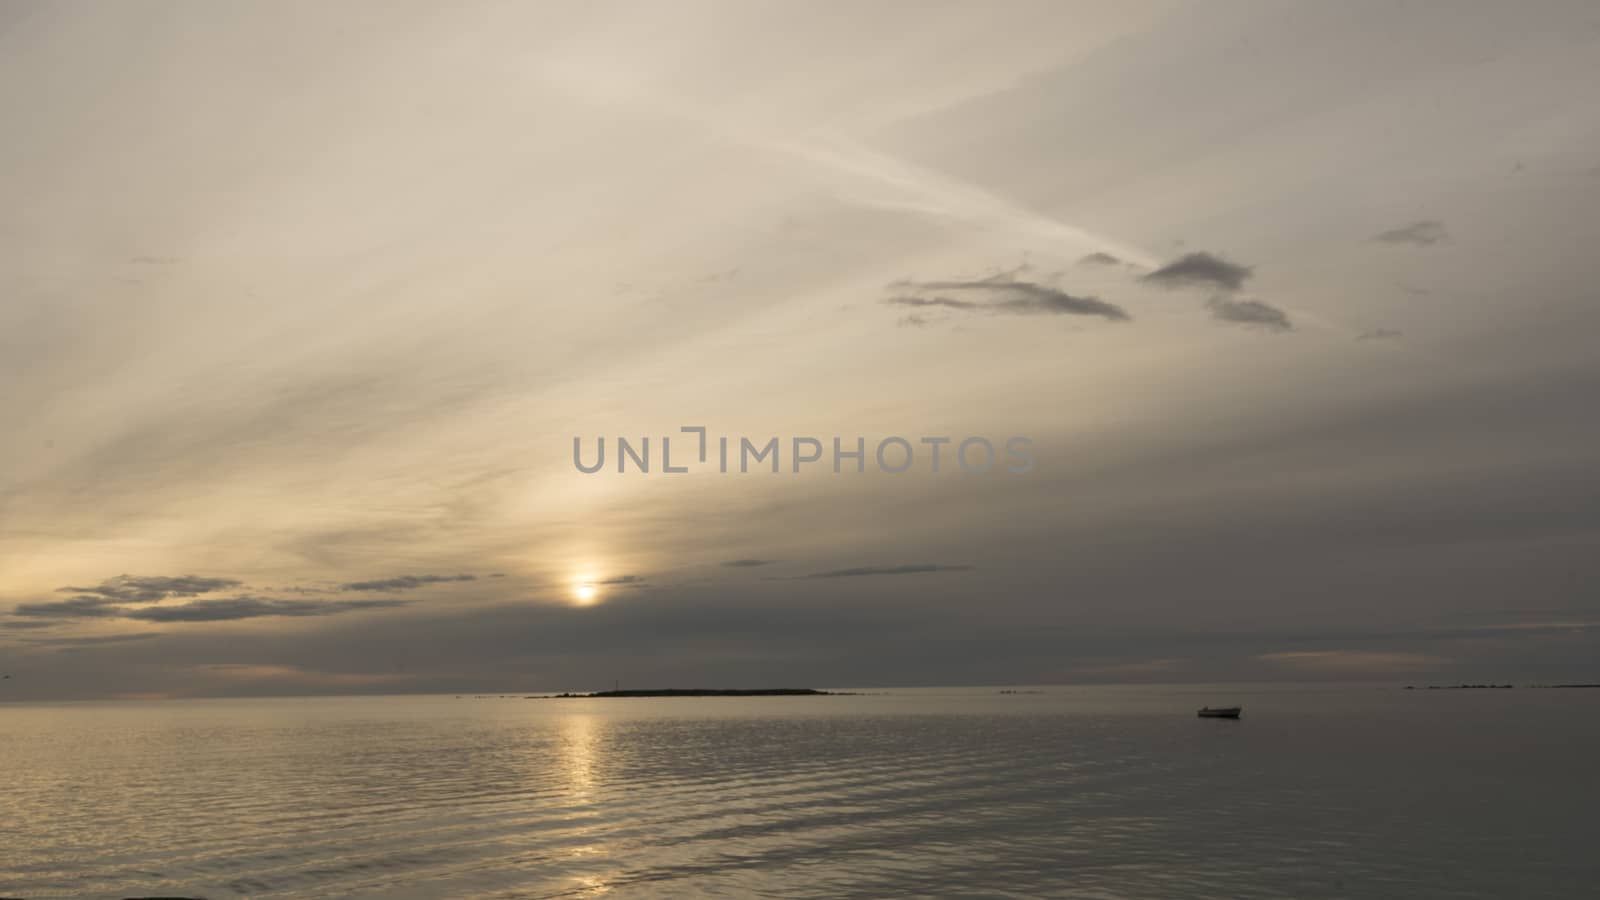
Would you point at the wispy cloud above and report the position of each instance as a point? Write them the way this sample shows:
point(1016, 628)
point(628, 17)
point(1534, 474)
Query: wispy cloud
point(80, 643)
point(241, 607)
point(861, 571)
point(747, 563)
point(298, 675)
point(1354, 660)
point(151, 588)
point(1419, 234)
point(946, 302)
point(234, 608)
point(1002, 297)
point(403, 582)
point(1380, 334)
point(76, 608)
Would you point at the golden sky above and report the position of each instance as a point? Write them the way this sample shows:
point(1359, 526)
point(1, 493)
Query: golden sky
point(1294, 303)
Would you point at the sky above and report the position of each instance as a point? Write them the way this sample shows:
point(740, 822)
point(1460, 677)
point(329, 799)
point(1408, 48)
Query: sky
point(303, 306)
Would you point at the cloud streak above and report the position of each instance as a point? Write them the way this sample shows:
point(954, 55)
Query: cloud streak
point(68, 644)
point(1002, 297)
point(621, 579)
point(1354, 660)
point(76, 608)
point(864, 571)
point(27, 624)
point(235, 608)
point(37, 615)
point(403, 582)
point(1417, 234)
point(151, 588)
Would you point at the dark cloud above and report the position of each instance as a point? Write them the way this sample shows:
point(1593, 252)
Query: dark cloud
point(886, 570)
point(747, 563)
point(234, 608)
point(27, 624)
point(1421, 234)
point(76, 608)
point(1380, 334)
point(914, 320)
point(1200, 270)
point(1249, 312)
point(1099, 259)
point(947, 302)
point(1003, 296)
point(151, 588)
point(75, 643)
point(241, 607)
point(621, 579)
point(403, 582)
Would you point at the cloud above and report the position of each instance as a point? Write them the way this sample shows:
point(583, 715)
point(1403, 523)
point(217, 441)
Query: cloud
point(914, 320)
point(1380, 334)
point(1354, 660)
point(886, 570)
point(621, 579)
point(234, 608)
point(747, 563)
point(298, 675)
point(97, 639)
point(151, 588)
point(1002, 296)
point(1249, 312)
point(1200, 270)
point(242, 607)
point(1420, 234)
point(76, 608)
point(910, 300)
point(1226, 278)
point(403, 582)
point(1099, 259)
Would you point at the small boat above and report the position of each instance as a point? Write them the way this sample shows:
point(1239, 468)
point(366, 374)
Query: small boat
point(1221, 712)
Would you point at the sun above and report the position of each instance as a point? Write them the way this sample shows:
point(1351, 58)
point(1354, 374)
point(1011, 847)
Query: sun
point(585, 593)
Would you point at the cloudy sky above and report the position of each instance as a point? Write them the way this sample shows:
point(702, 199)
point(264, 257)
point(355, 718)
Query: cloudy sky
point(302, 306)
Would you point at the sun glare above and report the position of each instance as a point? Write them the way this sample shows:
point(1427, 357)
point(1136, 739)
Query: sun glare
point(585, 593)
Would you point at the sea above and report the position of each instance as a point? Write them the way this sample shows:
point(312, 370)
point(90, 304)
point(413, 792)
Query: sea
point(1355, 791)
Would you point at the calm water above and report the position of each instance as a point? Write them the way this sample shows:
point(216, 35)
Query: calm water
point(1076, 792)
